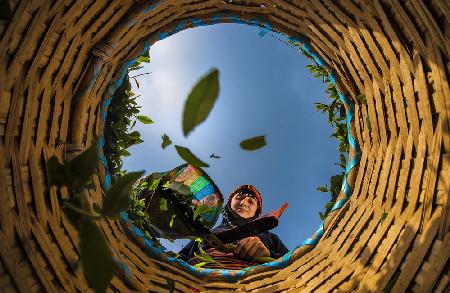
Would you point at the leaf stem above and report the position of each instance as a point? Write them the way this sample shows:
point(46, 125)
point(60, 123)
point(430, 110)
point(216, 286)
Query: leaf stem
point(81, 211)
point(134, 76)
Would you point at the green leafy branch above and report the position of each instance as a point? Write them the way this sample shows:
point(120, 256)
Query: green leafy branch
point(336, 115)
point(123, 113)
point(95, 254)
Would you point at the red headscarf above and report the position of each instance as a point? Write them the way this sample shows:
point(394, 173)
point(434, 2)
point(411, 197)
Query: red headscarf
point(251, 190)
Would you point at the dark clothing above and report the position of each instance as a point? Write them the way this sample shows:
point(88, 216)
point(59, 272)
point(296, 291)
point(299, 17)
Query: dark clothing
point(231, 219)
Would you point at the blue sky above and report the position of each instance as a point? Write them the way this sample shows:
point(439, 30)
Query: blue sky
point(265, 89)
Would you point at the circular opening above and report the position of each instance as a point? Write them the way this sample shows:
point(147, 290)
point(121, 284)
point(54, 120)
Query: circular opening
point(344, 192)
point(266, 89)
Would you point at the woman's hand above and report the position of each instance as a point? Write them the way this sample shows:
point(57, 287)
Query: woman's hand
point(251, 248)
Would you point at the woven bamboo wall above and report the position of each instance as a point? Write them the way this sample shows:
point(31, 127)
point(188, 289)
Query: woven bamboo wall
point(57, 59)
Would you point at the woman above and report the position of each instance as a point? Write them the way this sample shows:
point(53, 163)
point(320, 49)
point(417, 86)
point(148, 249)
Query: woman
point(244, 204)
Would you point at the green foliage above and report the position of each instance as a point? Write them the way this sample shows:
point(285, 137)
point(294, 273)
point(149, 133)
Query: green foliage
point(137, 212)
point(163, 204)
point(362, 99)
point(144, 119)
point(189, 157)
point(166, 141)
point(75, 173)
point(200, 101)
point(336, 115)
point(253, 143)
point(202, 255)
point(117, 197)
point(122, 116)
point(119, 122)
point(95, 255)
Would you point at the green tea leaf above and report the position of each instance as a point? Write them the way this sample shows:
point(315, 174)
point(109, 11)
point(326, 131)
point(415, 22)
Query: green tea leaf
point(163, 204)
point(200, 101)
point(143, 59)
point(135, 135)
point(323, 188)
point(322, 216)
point(95, 255)
point(155, 184)
point(125, 153)
point(144, 119)
point(166, 141)
point(171, 221)
point(55, 172)
point(75, 173)
point(189, 157)
point(84, 165)
point(117, 197)
point(253, 143)
point(199, 265)
point(329, 205)
point(362, 99)
point(166, 185)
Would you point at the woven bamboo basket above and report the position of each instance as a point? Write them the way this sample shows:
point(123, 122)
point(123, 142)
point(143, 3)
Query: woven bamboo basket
point(60, 62)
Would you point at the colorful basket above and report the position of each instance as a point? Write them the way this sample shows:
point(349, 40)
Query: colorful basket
point(171, 213)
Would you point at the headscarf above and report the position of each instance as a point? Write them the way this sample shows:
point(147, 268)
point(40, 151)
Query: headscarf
point(230, 217)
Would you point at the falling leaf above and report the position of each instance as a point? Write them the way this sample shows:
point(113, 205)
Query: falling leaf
point(189, 157)
point(75, 173)
point(253, 143)
point(166, 141)
point(144, 119)
point(117, 198)
point(95, 255)
point(200, 101)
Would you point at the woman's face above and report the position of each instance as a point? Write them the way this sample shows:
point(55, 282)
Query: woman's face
point(244, 205)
